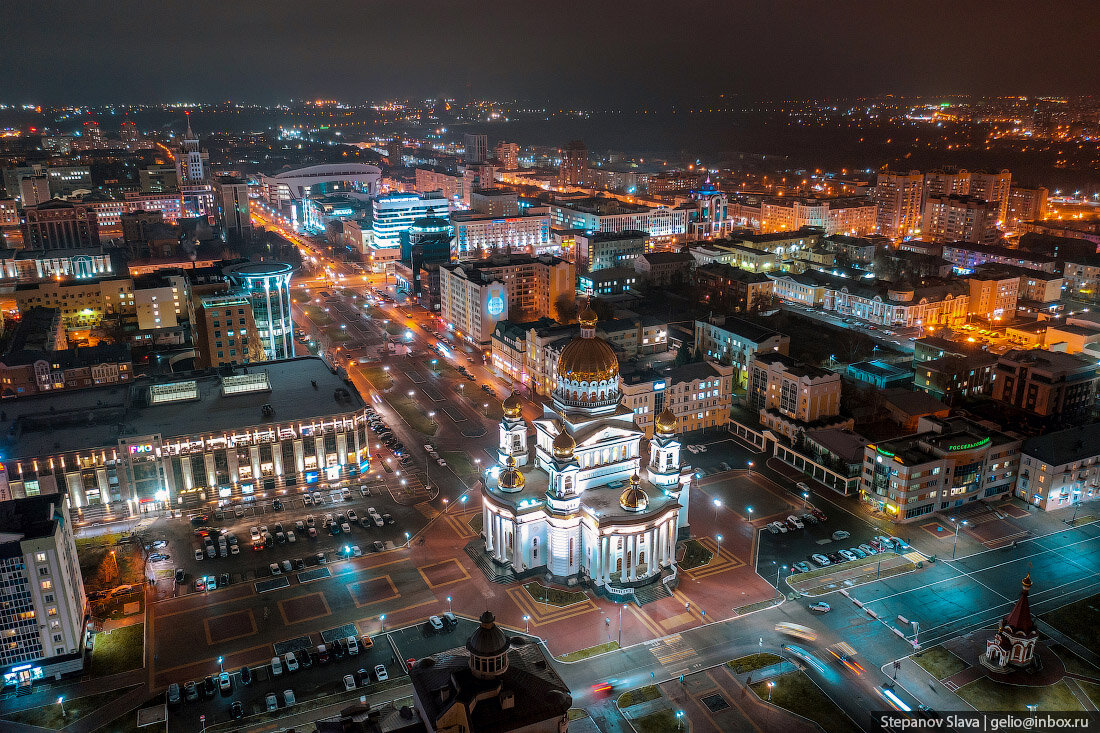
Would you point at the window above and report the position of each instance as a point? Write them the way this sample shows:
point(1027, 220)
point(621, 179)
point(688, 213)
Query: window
point(47, 585)
point(43, 571)
point(40, 557)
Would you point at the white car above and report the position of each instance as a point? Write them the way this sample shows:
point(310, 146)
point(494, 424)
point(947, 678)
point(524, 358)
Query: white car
point(781, 526)
point(792, 519)
point(275, 569)
point(349, 683)
point(290, 536)
point(847, 555)
point(820, 559)
point(254, 533)
point(291, 662)
point(820, 607)
point(234, 550)
point(436, 622)
point(840, 534)
point(380, 673)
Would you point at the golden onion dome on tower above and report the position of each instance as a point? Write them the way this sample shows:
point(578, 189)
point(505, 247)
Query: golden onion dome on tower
point(665, 424)
point(588, 317)
point(563, 444)
point(510, 478)
point(513, 406)
point(588, 358)
point(634, 498)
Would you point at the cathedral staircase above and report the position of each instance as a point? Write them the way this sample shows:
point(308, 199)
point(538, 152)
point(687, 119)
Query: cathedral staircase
point(654, 591)
point(494, 572)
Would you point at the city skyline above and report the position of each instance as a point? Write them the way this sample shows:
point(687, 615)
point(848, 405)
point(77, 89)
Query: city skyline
point(582, 54)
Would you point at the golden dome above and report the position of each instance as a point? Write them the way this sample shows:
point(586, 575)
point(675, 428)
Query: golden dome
point(588, 360)
point(563, 444)
point(510, 478)
point(588, 316)
point(513, 406)
point(665, 422)
point(634, 499)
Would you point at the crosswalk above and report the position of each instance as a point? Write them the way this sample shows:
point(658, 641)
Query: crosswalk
point(671, 650)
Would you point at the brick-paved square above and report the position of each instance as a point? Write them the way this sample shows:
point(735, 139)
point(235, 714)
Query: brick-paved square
point(443, 573)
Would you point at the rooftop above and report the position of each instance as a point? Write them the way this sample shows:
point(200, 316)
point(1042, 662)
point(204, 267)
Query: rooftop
point(792, 366)
point(103, 416)
point(1065, 446)
point(30, 518)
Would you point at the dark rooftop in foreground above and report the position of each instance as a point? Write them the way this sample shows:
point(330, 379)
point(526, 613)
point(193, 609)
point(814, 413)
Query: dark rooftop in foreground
point(30, 518)
point(1065, 446)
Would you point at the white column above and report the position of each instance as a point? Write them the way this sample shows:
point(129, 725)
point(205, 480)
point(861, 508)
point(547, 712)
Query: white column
point(487, 525)
point(653, 550)
point(605, 549)
point(597, 565)
point(632, 556)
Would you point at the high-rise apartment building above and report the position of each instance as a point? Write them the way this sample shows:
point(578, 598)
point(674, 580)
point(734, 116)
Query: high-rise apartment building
point(946, 182)
point(232, 202)
point(574, 164)
point(994, 188)
point(959, 218)
point(508, 155)
point(898, 197)
point(42, 593)
point(477, 147)
point(1026, 204)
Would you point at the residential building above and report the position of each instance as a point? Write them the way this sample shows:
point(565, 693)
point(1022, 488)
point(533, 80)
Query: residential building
point(956, 218)
point(1045, 383)
point(481, 235)
point(1026, 204)
point(663, 268)
point(948, 181)
point(955, 378)
point(45, 609)
point(181, 441)
point(898, 199)
point(736, 255)
point(508, 155)
point(728, 289)
point(168, 204)
point(732, 341)
point(1060, 469)
point(993, 293)
point(493, 683)
point(59, 225)
point(994, 187)
point(160, 300)
point(1081, 276)
point(946, 464)
point(477, 147)
point(851, 215)
point(574, 164)
point(856, 250)
point(792, 397)
point(475, 296)
point(81, 302)
point(224, 330)
point(609, 281)
point(880, 374)
point(699, 394)
point(1060, 248)
point(9, 214)
point(447, 183)
point(34, 190)
point(231, 199)
point(965, 257)
point(498, 202)
point(934, 347)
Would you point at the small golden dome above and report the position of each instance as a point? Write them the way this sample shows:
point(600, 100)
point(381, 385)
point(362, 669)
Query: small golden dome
point(563, 444)
point(634, 499)
point(665, 422)
point(588, 316)
point(510, 478)
point(513, 406)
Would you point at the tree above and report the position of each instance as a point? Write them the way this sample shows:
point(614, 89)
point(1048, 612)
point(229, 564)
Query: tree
point(565, 308)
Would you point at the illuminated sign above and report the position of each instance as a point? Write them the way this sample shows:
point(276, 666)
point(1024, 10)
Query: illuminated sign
point(495, 305)
point(141, 448)
point(659, 385)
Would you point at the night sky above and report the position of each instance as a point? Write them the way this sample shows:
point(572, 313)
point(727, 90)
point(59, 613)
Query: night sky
point(595, 52)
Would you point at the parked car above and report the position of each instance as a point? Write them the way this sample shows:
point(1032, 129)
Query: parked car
point(310, 521)
point(246, 675)
point(352, 516)
point(868, 549)
point(272, 702)
point(834, 557)
point(388, 519)
point(840, 534)
point(857, 552)
point(299, 564)
point(772, 528)
point(366, 642)
point(820, 607)
point(223, 580)
point(377, 546)
point(287, 567)
point(236, 710)
point(209, 687)
point(820, 559)
point(277, 505)
point(181, 575)
point(352, 645)
point(200, 584)
point(808, 518)
point(349, 683)
point(436, 623)
point(190, 691)
point(225, 684)
point(274, 568)
point(345, 527)
point(198, 554)
point(276, 667)
point(847, 555)
point(362, 676)
point(291, 662)
point(819, 514)
point(801, 567)
point(174, 696)
point(796, 522)
point(380, 673)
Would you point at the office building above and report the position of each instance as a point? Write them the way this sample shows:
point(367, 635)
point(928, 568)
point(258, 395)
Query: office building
point(699, 395)
point(792, 397)
point(107, 209)
point(663, 268)
point(44, 621)
point(268, 286)
point(481, 235)
point(956, 218)
point(574, 164)
point(9, 214)
point(428, 241)
point(1060, 469)
point(732, 341)
point(158, 179)
point(168, 204)
point(948, 463)
point(495, 201)
point(81, 302)
point(475, 296)
point(601, 214)
point(851, 215)
point(1046, 383)
point(994, 188)
point(609, 281)
point(391, 214)
point(36, 266)
point(508, 155)
point(238, 435)
point(231, 199)
point(993, 293)
point(966, 257)
point(34, 190)
point(898, 198)
point(196, 194)
point(59, 225)
point(477, 147)
point(600, 250)
point(224, 330)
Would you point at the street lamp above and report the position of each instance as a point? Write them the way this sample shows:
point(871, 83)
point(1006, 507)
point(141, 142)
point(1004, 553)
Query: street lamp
point(448, 604)
point(620, 626)
point(680, 719)
point(956, 541)
point(771, 684)
point(61, 702)
point(719, 538)
point(777, 571)
point(717, 505)
point(749, 510)
point(805, 499)
point(527, 622)
point(408, 539)
point(220, 667)
point(382, 622)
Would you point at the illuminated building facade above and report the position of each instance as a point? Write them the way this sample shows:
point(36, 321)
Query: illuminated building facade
point(392, 214)
point(946, 464)
point(267, 284)
point(235, 436)
point(481, 235)
point(957, 218)
point(60, 225)
point(898, 198)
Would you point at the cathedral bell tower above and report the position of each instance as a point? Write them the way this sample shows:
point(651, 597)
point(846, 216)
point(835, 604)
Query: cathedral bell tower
point(562, 494)
point(513, 432)
point(664, 452)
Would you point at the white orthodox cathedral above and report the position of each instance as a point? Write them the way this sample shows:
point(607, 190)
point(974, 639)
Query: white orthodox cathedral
point(580, 504)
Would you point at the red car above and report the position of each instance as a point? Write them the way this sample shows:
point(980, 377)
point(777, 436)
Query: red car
point(818, 514)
